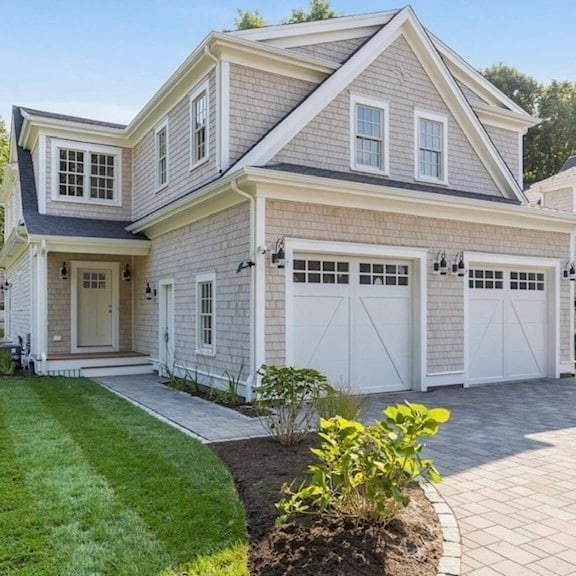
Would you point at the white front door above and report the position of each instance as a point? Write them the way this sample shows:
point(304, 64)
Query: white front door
point(166, 327)
point(508, 312)
point(353, 321)
point(95, 306)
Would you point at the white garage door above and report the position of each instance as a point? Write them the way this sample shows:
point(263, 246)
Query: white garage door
point(508, 324)
point(353, 321)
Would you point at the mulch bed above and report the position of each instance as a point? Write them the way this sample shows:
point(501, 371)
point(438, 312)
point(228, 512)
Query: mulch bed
point(411, 545)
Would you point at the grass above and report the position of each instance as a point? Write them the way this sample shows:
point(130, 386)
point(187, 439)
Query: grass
point(90, 485)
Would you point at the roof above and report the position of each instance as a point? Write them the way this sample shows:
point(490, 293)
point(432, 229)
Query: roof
point(377, 181)
point(570, 163)
point(49, 225)
point(68, 118)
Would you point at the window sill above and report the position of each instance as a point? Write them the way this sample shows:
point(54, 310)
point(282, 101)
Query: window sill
point(436, 181)
point(199, 163)
point(161, 188)
point(87, 202)
point(205, 352)
point(369, 170)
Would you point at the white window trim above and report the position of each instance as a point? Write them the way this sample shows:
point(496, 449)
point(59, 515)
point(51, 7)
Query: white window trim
point(434, 117)
point(356, 99)
point(163, 125)
point(87, 148)
point(204, 87)
point(206, 350)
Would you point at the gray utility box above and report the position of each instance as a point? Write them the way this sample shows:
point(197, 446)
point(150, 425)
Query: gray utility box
point(15, 351)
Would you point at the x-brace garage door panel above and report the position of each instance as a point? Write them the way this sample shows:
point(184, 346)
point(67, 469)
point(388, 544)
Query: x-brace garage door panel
point(353, 321)
point(508, 324)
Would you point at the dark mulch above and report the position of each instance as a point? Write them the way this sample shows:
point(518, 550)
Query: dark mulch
point(410, 545)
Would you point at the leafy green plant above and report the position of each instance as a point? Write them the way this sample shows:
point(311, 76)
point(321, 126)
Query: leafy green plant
point(230, 394)
point(7, 364)
point(287, 401)
point(363, 472)
point(339, 402)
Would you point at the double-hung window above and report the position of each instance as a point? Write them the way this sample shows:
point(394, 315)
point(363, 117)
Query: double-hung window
point(161, 135)
point(431, 147)
point(199, 126)
point(369, 131)
point(86, 173)
point(206, 314)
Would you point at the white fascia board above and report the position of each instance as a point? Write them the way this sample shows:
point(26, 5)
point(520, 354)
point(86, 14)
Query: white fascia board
point(329, 191)
point(505, 119)
point(82, 245)
point(303, 29)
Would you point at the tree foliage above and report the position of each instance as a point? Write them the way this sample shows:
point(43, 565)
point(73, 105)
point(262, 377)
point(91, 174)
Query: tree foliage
point(246, 19)
point(3, 162)
point(318, 10)
point(548, 145)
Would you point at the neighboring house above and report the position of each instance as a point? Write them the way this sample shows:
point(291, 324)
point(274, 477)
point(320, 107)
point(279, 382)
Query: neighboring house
point(363, 150)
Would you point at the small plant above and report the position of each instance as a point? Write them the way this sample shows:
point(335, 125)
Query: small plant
point(287, 401)
point(7, 364)
point(363, 472)
point(338, 402)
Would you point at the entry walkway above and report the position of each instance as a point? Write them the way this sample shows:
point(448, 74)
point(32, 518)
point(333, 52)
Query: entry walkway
point(507, 455)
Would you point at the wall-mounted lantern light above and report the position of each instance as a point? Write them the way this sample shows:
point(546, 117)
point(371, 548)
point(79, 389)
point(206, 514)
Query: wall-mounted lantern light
point(569, 272)
point(279, 255)
point(149, 292)
point(63, 272)
point(440, 265)
point(127, 274)
point(458, 266)
point(4, 287)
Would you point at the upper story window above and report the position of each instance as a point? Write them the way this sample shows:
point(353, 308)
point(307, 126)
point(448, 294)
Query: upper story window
point(199, 126)
point(84, 172)
point(369, 131)
point(161, 135)
point(431, 137)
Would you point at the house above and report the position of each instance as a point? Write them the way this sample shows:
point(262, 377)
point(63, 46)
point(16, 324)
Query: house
point(344, 194)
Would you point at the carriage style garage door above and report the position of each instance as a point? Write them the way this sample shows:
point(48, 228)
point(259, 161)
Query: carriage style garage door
point(508, 315)
point(353, 320)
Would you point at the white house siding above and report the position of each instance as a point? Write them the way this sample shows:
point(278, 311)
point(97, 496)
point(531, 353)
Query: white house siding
point(60, 306)
point(217, 244)
point(332, 51)
point(471, 96)
point(258, 101)
point(506, 141)
point(87, 209)
point(180, 178)
point(398, 78)
point(18, 275)
point(562, 199)
point(445, 293)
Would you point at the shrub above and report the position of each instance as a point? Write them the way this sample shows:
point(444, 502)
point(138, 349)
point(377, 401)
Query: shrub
point(363, 472)
point(338, 402)
point(287, 401)
point(7, 364)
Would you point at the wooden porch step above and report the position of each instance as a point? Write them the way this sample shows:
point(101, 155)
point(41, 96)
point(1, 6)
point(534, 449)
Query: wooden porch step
point(116, 370)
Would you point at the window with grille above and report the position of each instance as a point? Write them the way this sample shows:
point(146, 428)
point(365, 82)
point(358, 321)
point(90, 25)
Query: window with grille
point(370, 135)
point(431, 154)
point(93, 280)
point(321, 272)
point(527, 281)
point(199, 126)
point(162, 155)
point(205, 309)
point(383, 274)
point(486, 279)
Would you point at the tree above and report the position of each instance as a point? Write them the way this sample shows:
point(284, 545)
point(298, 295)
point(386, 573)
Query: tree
point(319, 10)
point(3, 148)
point(246, 19)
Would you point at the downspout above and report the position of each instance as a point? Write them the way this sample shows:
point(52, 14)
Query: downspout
point(252, 377)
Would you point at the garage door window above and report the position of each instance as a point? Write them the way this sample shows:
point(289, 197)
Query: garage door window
point(383, 274)
point(486, 279)
point(321, 272)
point(527, 281)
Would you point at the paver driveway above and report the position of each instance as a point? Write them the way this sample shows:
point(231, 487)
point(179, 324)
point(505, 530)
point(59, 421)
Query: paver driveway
point(508, 457)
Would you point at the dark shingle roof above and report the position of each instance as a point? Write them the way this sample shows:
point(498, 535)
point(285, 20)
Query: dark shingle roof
point(379, 181)
point(49, 225)
point(56, 116)
point(570, 163)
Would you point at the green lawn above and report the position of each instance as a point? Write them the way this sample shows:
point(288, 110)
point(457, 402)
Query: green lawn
point(90, 485)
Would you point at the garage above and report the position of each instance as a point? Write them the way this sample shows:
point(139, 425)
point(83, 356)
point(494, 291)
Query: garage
point(353, 320)
point(508, 323)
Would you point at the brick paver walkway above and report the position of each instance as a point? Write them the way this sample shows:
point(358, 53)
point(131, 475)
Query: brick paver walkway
point(508, 457)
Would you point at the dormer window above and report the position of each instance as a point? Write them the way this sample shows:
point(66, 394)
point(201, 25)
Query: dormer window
point(431, 135)
point(369, 132)
point(199, 126)
point(85, 172)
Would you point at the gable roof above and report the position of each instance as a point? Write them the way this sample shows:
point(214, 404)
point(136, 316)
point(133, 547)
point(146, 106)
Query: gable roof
point(404, 23)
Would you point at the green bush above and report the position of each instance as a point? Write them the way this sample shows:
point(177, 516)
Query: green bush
point(287, 400)
point(7, 364)
point(363, 472)
point(338, 402)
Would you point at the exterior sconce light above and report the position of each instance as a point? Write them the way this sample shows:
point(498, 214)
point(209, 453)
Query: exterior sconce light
point(4, 287)
point(63, 272)
point(149, 292)
point(279, 255)
point(569, 272)
point(440, 266)
point(458, 266)
point(127, 274)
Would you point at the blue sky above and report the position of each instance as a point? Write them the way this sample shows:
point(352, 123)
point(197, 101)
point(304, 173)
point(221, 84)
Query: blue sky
point(104, 59)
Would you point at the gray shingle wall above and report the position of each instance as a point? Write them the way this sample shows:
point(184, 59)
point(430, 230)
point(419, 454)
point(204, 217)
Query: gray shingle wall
point(331, 51)
point(562, 199)
point(398, 78)
point(445, 294)
point(20, 297)
point(471, 96)
point(506, 142)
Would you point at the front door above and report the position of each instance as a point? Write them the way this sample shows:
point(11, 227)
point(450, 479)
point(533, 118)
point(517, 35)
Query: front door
point(94, 307)
point(166, 325)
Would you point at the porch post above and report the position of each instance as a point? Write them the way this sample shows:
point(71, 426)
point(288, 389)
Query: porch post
point(42, 306)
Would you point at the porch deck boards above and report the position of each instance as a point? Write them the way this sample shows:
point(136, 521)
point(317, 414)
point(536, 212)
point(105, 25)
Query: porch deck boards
point(96, 355)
